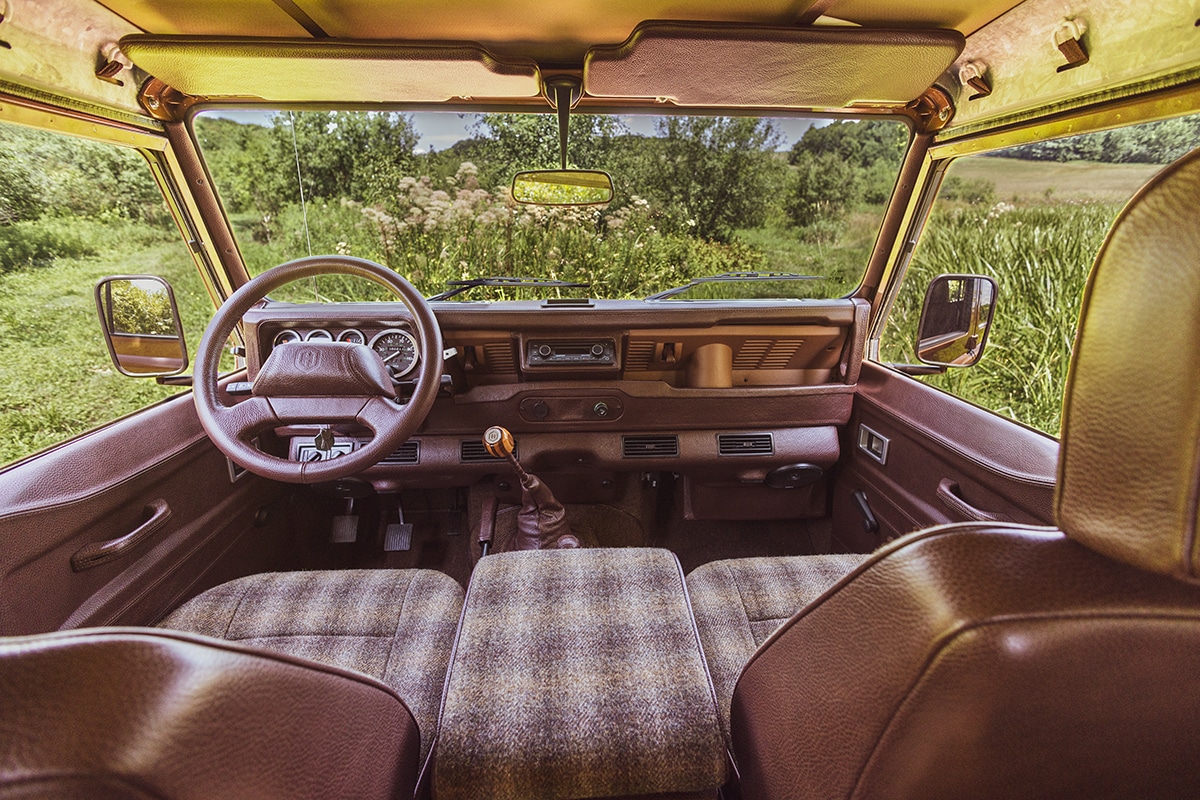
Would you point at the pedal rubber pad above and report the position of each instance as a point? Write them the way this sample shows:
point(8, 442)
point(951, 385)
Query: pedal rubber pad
point(398, 536)
point(345, 529)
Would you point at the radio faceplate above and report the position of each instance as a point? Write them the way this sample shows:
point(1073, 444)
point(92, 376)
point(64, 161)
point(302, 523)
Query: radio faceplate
point(571, 352)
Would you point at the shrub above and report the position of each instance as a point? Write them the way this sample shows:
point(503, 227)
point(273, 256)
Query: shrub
point(37, 243)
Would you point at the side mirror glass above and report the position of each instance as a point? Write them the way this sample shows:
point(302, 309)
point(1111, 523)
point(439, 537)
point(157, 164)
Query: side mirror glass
point(562, 187)
point(141, 325)
point(955, 320)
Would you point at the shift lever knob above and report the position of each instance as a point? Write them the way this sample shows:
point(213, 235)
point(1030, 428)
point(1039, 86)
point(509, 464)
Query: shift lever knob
point(499, 442)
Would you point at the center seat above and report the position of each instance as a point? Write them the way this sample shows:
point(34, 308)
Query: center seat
point(578, 674)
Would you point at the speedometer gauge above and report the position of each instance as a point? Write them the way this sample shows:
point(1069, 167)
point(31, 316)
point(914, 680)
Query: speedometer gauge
point(398, 349)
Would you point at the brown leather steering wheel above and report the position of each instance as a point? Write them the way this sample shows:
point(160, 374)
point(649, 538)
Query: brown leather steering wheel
point(231, 428)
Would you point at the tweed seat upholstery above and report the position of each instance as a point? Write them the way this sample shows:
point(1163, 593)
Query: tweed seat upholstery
point(578, 673)
point(395, 625)
point(739, 603)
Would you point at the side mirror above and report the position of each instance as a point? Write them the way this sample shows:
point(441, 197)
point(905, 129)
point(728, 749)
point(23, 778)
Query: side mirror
point(141, 325)
point(562, 187)
point(955, 320)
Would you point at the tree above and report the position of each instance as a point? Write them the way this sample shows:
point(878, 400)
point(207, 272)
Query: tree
point(716, 174)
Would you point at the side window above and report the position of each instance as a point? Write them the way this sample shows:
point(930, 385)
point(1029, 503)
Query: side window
point(71, 212)
point(1033, 217)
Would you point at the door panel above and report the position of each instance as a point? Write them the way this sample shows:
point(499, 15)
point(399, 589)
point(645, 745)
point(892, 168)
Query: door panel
point(944, 457)
point(97, 488)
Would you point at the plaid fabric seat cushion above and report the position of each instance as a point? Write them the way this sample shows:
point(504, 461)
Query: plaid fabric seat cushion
point(740, 602)
point(577, 673)
point(395, 625)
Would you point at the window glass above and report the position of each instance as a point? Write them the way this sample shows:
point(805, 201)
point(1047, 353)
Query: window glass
point(428, 195)
point(1032, 217)
point(71, 212)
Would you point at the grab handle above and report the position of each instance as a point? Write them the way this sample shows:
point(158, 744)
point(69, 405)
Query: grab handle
point(97, 553)
point(951, 496)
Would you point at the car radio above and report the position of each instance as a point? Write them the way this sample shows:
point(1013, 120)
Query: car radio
point(575, 352)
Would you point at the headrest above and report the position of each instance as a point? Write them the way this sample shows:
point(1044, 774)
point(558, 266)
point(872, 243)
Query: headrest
point(1129, 467)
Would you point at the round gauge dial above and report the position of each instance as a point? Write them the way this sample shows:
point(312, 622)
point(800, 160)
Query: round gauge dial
point(352, 336)
point(398, 349)
point(285, 336)
point(319, 335)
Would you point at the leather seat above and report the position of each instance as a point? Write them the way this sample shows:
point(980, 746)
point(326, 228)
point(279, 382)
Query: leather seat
point(329, 686)
point(135, 714)
point(999, 660)
point(397, 626)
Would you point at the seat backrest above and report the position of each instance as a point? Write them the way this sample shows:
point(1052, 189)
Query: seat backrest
point(131, 713)
point(1008, 661)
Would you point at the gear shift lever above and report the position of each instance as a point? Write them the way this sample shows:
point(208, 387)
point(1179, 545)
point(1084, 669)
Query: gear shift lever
point(542, 522)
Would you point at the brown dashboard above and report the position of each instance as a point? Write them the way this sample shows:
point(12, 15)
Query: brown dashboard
point(721, 394)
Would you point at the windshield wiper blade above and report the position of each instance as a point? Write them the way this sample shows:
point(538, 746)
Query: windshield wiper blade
point(458, 287)
point(734, 277)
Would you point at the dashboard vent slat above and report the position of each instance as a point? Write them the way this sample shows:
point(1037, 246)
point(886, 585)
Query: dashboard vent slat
point(407, 453)
point(638, 356)
point(472, 451)
point(745, 444)
point(499, 357)
point(650, 446)
point(767, 353)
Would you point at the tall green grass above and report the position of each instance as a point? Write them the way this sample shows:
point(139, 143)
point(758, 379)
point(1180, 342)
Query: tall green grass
point(1040, 256)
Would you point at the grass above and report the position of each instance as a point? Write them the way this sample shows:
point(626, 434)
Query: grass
point(56, 379)
point(1022, 181)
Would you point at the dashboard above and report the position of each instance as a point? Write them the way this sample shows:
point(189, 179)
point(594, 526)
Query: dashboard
point(736, 395)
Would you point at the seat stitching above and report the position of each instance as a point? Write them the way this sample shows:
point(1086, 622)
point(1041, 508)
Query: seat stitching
point(236, 608)
point(742, 603)
point(387, 662)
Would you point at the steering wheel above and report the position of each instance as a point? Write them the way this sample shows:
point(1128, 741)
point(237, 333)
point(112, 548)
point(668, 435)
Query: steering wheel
point(318, 382)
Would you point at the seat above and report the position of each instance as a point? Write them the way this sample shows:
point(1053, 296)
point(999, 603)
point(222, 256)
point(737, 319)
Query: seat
point(998, 660)
point(280, 685)
point(143, 714)
point(739, 602)
point(395, 625)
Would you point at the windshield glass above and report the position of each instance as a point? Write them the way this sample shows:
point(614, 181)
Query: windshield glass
point(428, 194)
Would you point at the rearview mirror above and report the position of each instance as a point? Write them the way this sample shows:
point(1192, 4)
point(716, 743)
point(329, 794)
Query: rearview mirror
point(141, 325)
point(955, 320)
point(562, 187)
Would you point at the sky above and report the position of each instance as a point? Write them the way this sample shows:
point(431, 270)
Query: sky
point(441, 129)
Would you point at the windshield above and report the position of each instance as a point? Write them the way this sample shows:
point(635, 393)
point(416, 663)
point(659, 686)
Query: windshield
point(428, 194)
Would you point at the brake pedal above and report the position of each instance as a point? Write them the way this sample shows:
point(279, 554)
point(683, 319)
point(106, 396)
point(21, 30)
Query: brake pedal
point(398, 535)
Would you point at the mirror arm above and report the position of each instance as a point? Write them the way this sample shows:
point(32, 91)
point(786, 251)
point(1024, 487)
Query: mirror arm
point(174, 380)
point(918, 369)
point(562, 100)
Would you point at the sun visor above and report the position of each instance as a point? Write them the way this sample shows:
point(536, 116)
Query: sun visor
point(730, 65)
point(307, 70)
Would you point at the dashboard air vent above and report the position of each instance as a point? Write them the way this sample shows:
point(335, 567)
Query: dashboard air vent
point(745, 444)
point(407, 453)
point(499, 357)
point(650, 446)
point(767, 353)
point(638, 356)
point(472, 451)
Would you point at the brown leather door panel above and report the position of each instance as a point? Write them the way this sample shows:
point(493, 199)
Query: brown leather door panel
point(947, 461)
point(105, 484)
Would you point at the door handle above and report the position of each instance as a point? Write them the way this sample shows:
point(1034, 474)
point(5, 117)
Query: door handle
point(97, 553)
point(950, 494)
